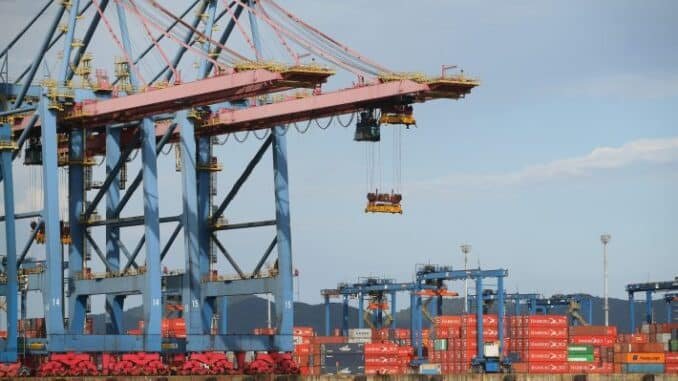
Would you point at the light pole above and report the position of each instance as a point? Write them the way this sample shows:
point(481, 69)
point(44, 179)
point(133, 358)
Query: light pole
point(605, 238)
point(466, 248)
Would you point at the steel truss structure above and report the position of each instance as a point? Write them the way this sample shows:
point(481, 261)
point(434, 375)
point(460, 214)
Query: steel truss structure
point(649, 289)
point(62, 125)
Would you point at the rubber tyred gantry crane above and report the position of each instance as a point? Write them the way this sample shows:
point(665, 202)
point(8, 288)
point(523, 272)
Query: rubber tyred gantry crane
point(70, 121)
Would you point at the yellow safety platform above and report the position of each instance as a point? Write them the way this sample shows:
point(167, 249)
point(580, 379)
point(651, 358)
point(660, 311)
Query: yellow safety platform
point(374, 207)
point(406, 119)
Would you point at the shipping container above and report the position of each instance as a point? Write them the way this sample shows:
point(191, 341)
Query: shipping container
point(593, 330)
point(638, 357)
point(643, 368)
point(580, 357)
point(429, 369)
point(342, 348)
point(580, 349)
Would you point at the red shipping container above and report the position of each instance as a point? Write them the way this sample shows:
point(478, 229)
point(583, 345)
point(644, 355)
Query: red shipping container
point(302, 331)
point(545, 333)
point(545, 321)
point(546, 367)
point(488, 320)
point(302, 349)
point(593, 330)
point(603, 341)
point(544, 344)
point(328, 339)
point(519, 367)
point(546, 356)
point(381, 360)
point(671, 357)
point(380, 349)
point(369, 370)
point(582, 367)
point(447, 320)
point(671, 368)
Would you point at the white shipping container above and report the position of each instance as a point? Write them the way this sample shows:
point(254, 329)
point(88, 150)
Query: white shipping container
point(359, 340)
point(429, 369)
point(491, 349)
point(297, 340)
point(663, 338)
point(365, 333)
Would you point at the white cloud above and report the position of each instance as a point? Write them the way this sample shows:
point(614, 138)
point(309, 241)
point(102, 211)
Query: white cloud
point(649, 151)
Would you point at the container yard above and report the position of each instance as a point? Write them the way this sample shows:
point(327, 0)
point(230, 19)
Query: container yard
point(114, 93)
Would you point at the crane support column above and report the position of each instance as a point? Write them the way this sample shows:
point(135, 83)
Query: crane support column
point(479, 317)
point(648, 307)
point(394, 310)
point(53, 288)
point(344, 316)
point(500, 312)
point(284, 295)
point(361, 310)
point(76, 250)
point(152, 295)
point(632, 312)
point(191, 291)
point(114, 303)
point(327, 315)
point(9, 352)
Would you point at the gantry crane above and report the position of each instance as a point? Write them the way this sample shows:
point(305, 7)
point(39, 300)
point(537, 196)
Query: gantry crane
point(59, 124)
point(380, 294)
point(434, 275)
point(649, 288)
point(671, 300)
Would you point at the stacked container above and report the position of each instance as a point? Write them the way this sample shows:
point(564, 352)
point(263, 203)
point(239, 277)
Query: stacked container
point(383, 358)
point(302, 353)
point(342, 359)
point(539, 343)
point(671, 363)
point(598, 356)
point(360, 335)
point(454, 342)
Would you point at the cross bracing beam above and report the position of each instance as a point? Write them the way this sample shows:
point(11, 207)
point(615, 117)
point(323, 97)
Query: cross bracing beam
point(228, 256)
point(130, 221)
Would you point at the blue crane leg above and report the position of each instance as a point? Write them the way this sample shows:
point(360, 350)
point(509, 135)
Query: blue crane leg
point(114, 304)
point(76, 192)
point(632, 313)
point(361, 310)
point(327, 315)
point(53, 287)
point(192, 277)
point(9, 352)
point(479, 317)
point(284, 293)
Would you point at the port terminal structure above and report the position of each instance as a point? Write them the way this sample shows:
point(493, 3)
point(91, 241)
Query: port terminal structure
point(132, 118)
point(426, 294)
point(649, 288)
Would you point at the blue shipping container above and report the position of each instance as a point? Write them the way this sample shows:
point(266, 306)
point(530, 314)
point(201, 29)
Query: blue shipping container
point(342, 370)
point(643, 368)
point(350, 359)
point(342, 348)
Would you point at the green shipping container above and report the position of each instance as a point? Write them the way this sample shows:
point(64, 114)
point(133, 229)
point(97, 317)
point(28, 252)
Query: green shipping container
point(440, 345)
point(673, 345)
point(580, 349)
point(580, 358)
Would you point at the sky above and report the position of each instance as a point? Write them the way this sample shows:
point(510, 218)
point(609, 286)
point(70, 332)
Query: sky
point(571, 134)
